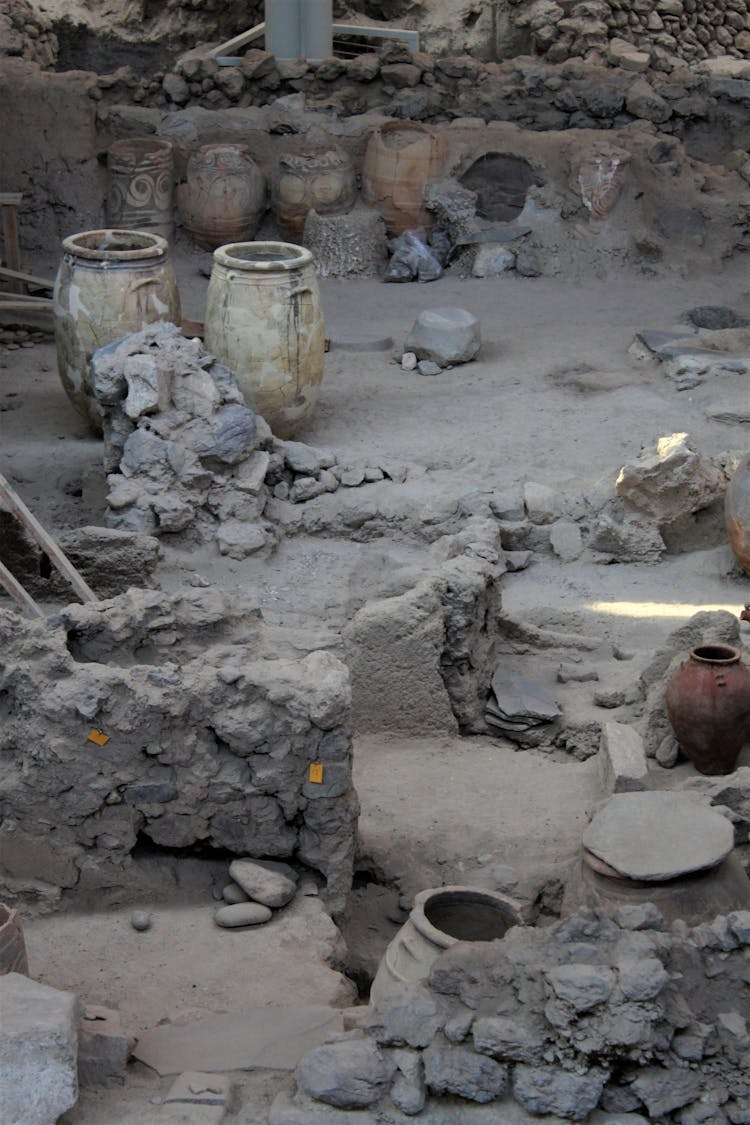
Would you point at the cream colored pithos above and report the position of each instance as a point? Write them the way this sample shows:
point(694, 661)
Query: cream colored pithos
point(264, 322)
point(439, 918)
point(110, 283)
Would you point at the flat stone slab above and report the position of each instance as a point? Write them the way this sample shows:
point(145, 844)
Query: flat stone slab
point(653, 837)
point(518, 699)
point(360, 342)
point(196, 1088)
point(260, 1038)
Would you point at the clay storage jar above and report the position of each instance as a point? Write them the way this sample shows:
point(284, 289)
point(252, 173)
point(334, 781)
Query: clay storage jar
point(12, 946)
point(110, 283)
point(264, 321)
point(324, 182)
point(140, 186)
point(439, 918)
point(400, 161)
point(708, 703)
point(662, 848)
point(737, 513)
point(224, 197)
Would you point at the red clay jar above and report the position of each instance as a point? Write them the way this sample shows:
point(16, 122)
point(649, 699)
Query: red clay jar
point(737, 509)
point(708, 703)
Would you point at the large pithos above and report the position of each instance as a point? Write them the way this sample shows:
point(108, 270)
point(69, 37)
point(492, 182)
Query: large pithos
point(110, 283)
point(264, 322)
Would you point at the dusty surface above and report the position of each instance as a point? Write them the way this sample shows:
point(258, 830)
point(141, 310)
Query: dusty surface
point(554, 398)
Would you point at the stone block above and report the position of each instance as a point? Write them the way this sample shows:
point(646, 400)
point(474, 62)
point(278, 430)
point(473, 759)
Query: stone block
point(102, 1047)
point(446, 336)
point(622, 759)
point(38, 1051)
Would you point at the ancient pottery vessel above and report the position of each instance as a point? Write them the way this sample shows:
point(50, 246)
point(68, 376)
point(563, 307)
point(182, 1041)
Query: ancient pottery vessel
point(695, 897)
point(140, 185)
point(737, 513)
point(311, 181)
point(264, 321)
point(12, 946)
point(440, 918)
point(224, 197)
point(400, 161)
point(662, 848)
point(708, 703)
point(110, 283)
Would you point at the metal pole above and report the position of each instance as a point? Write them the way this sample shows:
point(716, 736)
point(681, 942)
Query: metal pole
point(317, 29)
point(283, 29)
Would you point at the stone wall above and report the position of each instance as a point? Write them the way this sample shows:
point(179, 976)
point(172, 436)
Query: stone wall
point(210, 726)
point(76, 34)
point(588, 1012)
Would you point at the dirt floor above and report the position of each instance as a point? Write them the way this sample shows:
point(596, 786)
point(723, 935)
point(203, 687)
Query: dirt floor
point(555, 398)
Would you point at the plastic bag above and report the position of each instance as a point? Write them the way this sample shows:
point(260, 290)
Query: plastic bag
point(411, 258)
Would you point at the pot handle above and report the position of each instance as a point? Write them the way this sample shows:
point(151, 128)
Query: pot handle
point(299, 291)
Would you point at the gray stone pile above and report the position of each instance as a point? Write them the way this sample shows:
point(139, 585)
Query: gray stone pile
point(623, 30)
point(258, 888)
point(184, 453)
point(178, 721)
point(590, 1012)
point(298, 472)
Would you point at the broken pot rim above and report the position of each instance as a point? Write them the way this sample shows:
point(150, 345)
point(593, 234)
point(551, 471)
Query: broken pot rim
point(445, 940)
point(715, 652)
point(267, 257)
point(139, 146)
point(143, 245)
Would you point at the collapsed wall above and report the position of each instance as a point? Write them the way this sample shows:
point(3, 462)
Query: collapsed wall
point(622, 1014)
point(175, 722)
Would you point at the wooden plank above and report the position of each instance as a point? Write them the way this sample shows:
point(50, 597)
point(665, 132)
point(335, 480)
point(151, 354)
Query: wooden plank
point(18, 593)
point(11, 245)
point(12, 198)
point(45, 541)
point(29, 278)
point(25, 298)
point(238, 42)
point(29, 305)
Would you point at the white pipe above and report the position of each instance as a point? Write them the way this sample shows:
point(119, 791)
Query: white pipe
point(283, 29)
point(317, 29)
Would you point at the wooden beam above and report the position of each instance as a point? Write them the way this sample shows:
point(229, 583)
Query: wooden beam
point(16, 505)
point(12, 247)
point(18, 593)
point(29, 278)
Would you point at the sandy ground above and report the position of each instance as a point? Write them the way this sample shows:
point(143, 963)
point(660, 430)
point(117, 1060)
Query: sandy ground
point(554, 398)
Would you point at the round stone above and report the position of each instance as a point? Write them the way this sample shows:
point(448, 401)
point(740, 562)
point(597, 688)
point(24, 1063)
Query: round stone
point(140, 920)
point(654, 837)
point(242, 914)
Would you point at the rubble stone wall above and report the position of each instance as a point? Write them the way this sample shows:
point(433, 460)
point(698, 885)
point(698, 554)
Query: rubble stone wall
point(210, 727)
point(75, 34)
point(588, 1012)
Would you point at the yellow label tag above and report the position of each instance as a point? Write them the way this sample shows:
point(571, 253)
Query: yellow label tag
point(316, 772)
point(98, 737)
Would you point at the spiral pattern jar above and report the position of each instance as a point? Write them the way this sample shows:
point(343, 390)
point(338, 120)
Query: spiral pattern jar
point(140, 186)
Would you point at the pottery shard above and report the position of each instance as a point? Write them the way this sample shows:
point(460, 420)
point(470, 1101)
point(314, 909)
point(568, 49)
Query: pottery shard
point(242, 914)
point(658, 836)
point(671, 482)
point(445, 336)
point(265, 881)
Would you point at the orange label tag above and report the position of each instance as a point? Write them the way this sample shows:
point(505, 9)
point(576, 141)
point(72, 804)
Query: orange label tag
point(316, 772)
point(98, 737)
